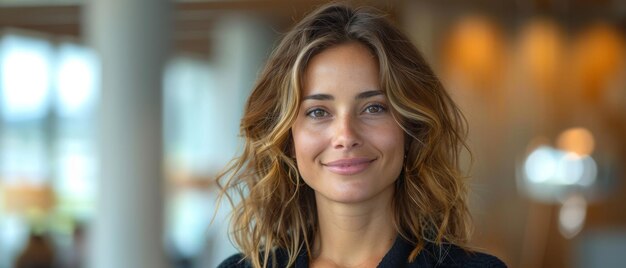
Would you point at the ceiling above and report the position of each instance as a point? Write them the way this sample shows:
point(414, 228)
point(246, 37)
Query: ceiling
point(194, 20)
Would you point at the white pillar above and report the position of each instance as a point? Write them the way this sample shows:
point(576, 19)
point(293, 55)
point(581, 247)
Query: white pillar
point(132, 40)
point(242, 44)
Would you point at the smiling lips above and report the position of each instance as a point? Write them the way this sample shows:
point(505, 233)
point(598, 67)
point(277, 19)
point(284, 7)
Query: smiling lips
point(349, 166)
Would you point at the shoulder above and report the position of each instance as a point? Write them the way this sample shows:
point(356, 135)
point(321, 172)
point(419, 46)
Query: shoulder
point(239, 260)
point(235, 261)
point(454, 256)
point(478, 259)
point(437, 255)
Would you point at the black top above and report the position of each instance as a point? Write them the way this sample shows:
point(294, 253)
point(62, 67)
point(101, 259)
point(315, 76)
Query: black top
point(430, 256)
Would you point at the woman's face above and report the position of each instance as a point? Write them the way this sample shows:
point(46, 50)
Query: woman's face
point(348, 147)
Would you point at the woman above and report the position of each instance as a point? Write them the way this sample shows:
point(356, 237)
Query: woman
point(351, 154)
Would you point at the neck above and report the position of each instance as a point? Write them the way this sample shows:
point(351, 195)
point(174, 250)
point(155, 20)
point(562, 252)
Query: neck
point(354, 235)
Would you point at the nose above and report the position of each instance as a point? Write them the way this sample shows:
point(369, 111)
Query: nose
point(346, 133)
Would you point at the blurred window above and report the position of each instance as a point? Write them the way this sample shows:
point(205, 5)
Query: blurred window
point(48, 168)
point(48, 148)
point(188, 89)
point(25, 71)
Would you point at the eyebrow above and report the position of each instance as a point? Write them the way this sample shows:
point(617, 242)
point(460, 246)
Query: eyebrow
point(362, 95)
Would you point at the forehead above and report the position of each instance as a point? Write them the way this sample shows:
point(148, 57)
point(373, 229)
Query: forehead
point(346, 66)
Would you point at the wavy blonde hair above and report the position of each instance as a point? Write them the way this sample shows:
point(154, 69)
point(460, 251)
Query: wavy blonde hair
point(276, 210)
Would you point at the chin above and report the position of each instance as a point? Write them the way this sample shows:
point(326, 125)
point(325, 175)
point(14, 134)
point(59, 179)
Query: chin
point(350, 198)
point(352, 194)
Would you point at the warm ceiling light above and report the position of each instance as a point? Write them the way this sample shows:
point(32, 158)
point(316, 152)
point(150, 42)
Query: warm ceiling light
point(576, 140)
point(541, 48)
point(598, 56)
point(474, 51)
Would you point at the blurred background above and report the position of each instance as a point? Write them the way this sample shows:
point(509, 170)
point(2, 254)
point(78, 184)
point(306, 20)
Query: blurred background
point(115, 116)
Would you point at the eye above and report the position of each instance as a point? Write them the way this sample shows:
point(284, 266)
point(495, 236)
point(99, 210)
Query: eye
point(317, 113)
point(375, 109)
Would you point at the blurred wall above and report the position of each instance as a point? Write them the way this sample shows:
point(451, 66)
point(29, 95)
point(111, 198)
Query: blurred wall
point(523, 72)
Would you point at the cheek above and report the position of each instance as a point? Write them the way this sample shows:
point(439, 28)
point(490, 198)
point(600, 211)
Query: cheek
point(390, 138)
point(391, 143)
point(307, 142)
point(307, 147)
